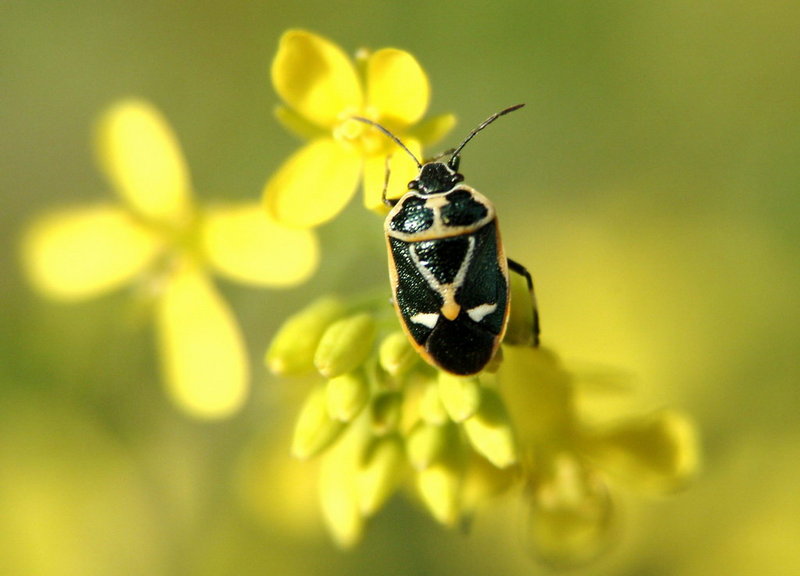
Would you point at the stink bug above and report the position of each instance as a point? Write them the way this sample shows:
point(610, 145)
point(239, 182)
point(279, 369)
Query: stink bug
point(448, 271)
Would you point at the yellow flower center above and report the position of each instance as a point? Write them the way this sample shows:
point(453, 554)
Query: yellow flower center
point(180, 242)
point(366, 139)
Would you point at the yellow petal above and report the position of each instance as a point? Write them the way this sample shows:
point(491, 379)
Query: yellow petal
point(315, 77)
point(142, 158)
point(203, 352)
point(246, 245)
point(313, 185)
point(656, 454)
point(402, 170)
point(81, 253)
point(397, 87)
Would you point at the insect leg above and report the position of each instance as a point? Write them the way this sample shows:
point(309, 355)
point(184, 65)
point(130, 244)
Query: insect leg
point(522, 271)
point(386, 201)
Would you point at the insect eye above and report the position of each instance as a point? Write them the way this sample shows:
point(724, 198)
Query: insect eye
point(457, 177)
point(454, 163)
point(413, 185)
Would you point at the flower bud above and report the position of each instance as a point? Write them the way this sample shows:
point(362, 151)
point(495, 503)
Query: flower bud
point(440, 488)
point(490, 431)
point(347, 395)
point(484, 481)
point(314, 429)
point(380, 472)
point(386, 411)
point(396, 354)
point(431, 408)
point(339, 496)
point(291, 351)
point(345, 345)
point(427, 443)
point(460, 395)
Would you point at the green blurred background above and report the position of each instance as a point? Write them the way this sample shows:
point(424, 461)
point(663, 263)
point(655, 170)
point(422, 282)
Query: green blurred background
point(651, 185)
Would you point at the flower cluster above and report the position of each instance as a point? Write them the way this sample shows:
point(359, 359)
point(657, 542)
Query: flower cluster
point(158, 239)
point(381, 419)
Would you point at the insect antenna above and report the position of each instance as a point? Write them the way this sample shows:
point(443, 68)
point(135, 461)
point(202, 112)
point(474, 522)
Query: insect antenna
point(483, 125)
point(390, 135)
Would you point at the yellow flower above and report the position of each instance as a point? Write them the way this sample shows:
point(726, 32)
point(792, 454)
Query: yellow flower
point(323, 89)
point(159, 236)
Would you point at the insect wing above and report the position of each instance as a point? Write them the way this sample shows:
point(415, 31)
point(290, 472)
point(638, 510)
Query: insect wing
point(452, 296)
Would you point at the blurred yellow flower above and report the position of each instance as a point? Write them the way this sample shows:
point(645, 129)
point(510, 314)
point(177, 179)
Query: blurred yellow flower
point(323, 89)
point(159, 236)
point(567, 464)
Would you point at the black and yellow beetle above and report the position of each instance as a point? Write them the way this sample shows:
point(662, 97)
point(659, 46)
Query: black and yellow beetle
point(448, 270)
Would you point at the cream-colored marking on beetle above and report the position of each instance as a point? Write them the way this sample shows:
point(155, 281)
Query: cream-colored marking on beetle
point(428, 320)
point(480, 312)
point(450, 308)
